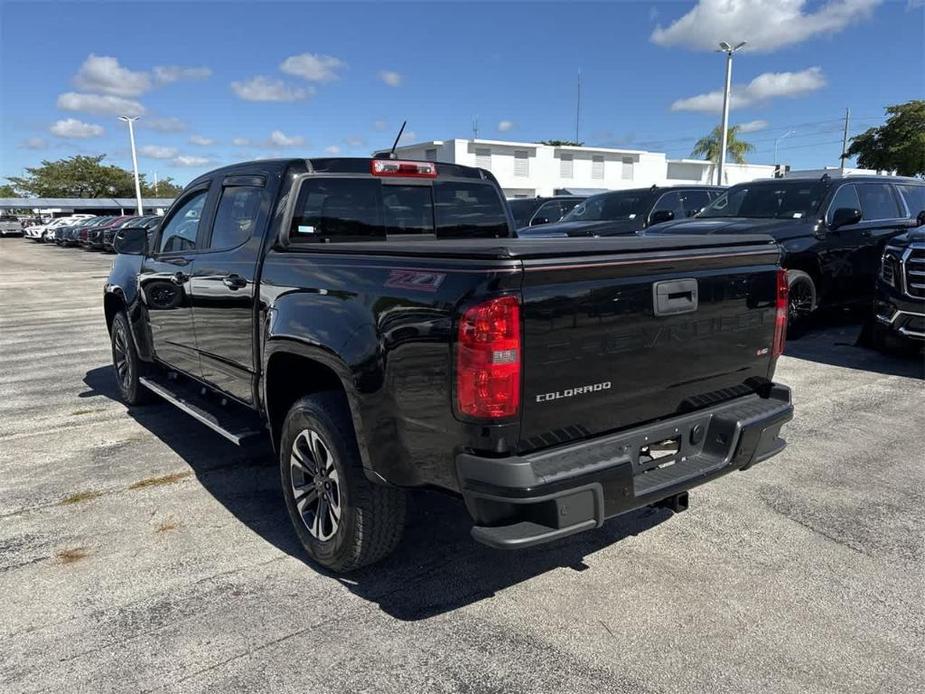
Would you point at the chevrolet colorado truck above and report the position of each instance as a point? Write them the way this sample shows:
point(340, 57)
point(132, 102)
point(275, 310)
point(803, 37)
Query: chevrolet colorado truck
point(379, 321)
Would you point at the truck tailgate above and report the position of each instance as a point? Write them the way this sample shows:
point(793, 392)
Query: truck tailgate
point(613, 341)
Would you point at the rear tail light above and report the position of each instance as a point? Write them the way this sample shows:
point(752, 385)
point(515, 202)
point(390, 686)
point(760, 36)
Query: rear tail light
point(488, 355)
point(780, 317)
point(393, 167)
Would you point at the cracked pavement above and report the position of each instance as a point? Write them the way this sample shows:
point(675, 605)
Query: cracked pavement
point(139, 551)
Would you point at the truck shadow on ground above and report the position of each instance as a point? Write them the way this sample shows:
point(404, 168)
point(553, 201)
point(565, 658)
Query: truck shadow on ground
point(833, 338)
point(437, 568)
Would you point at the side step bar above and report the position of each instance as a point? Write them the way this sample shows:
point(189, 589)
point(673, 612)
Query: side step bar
point(236, 428)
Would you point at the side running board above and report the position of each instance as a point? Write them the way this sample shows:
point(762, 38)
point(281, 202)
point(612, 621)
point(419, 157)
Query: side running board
point(237, 427)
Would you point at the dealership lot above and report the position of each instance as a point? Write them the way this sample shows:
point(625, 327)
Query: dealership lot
point(140, 551)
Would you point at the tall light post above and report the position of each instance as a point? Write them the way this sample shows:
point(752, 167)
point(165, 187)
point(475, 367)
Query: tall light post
point(728, 50)
point(778, 139)
point(131, 134)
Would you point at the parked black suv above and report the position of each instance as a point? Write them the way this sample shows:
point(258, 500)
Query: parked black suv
point(832, 230)
point(624, 212)
point(899, 304)
point(531, 212)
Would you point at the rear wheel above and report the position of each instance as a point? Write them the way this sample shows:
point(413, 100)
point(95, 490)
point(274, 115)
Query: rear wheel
point(343, 520)
point(127, 367)
point(801, 301)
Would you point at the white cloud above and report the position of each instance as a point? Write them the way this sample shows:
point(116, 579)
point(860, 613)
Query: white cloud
point(333, 149)
point(75, 129)
point(101, 104)
point(167, 74)
point(169, 124)
point(103, 74)
point(505, 126)
point(33, 143)
point(279, 139)
point(355, 141)
point(380, 125)
point(261, 88)
point(240, 142)
point(407, 136)
point(201, 140)
point(753, 126)
point(158, 152)
point(766, 26)
point(190, 160)
point(312, 67)
point(769, 85)
point(390, 77)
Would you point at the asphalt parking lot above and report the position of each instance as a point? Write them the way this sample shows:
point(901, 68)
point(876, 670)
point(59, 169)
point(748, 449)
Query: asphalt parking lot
point(139, 551)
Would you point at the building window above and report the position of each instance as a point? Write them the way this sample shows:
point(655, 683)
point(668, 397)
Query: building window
point(483, 158)
point(597, 166)
point(566, 166)
point(430, 154)
point(627, 171)
point(521, 163)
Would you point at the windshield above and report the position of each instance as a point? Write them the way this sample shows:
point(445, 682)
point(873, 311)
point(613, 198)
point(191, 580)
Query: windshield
point(522, 211)
point(768, 200)
point(627, 204)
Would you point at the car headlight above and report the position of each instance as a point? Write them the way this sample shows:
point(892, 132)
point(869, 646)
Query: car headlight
point(889, 269)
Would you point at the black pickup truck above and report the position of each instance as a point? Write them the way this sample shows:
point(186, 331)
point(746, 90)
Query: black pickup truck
point(378, 320)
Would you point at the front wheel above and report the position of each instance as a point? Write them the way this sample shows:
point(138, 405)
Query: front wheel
point(801, 302)
point(343, 520)
point(127, 366)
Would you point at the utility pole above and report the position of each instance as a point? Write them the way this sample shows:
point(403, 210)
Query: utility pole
point(578, 109)
point(724, 134)
point(844, 141)
point(786, 134)
point(131, 134)
point(155, 184)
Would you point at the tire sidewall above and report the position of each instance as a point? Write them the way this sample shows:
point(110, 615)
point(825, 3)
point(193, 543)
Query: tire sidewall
point(306, 414)
point(129, 393)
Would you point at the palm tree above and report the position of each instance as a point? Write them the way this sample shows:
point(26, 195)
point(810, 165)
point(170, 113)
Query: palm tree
point(708, 147)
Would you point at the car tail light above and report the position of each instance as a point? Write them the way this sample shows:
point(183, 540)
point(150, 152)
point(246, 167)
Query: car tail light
point(780, 317)
point(393, 167)
point(488, 354)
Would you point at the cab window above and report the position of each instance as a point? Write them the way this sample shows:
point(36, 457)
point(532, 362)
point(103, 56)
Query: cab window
point(237, 216)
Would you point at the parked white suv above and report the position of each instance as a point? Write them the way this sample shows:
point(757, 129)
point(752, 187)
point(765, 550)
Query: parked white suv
point(10, 226)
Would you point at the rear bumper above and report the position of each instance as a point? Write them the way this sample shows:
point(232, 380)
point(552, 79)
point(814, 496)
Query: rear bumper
point(527, 500)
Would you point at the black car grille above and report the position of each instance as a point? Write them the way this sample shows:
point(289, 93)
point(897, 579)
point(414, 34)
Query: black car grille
point(915, 273)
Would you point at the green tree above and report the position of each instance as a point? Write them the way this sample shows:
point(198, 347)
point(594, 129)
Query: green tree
point(897, 145)
point(76, 177)
point(709, 146)
point(7, 191)
point(166, 188)
point(561, 143)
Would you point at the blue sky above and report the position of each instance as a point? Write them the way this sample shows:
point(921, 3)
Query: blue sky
point(220, 82)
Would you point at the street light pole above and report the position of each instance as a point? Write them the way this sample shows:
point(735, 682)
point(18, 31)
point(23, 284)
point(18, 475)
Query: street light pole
point(131, 134)
point(724, 142)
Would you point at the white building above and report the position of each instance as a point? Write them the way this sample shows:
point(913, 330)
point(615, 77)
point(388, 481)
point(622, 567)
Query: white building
point(525, 169)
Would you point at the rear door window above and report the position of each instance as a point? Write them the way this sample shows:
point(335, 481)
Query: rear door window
point(878, 201)
point(237, 216)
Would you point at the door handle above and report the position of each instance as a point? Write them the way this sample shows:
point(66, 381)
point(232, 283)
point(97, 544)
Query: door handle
point(179, 278)
point(234, 282)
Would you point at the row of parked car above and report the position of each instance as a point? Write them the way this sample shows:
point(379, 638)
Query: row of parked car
point(843, 238)
point(86, 230)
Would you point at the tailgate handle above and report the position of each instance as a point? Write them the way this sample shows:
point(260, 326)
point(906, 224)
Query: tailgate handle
point(674, 296)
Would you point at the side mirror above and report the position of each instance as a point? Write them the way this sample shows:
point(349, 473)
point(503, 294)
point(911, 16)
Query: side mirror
point(920, 220)
point(845, 216)
point(538, 220)
point(131, 241)
point(660, 216)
